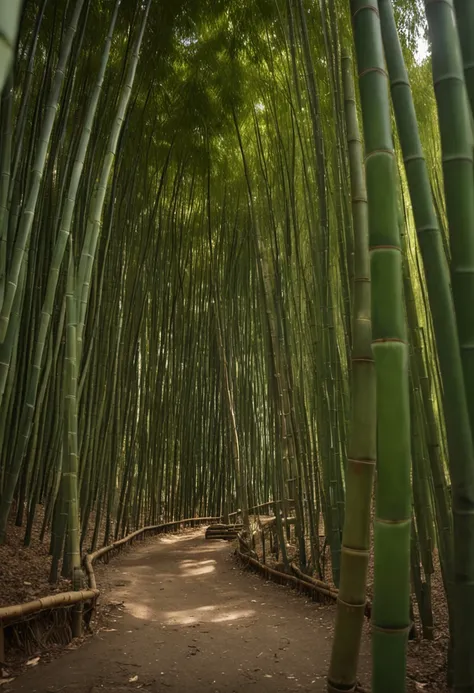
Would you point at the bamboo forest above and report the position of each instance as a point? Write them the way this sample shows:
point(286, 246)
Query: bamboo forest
point(237, 346)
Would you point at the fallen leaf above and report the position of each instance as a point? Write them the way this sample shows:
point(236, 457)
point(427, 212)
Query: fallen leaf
point(133, 679)
point(32, 662)
point(2, 681)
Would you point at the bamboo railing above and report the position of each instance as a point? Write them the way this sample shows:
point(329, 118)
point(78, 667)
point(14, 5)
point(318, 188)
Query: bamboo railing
point(11, 615)
point(318, 590)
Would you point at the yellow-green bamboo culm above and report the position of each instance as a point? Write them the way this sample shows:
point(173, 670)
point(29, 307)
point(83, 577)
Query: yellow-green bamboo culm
point(465, 22)
point(70, 449)
point(392, 529)
point(361, 448)
point(459, 439)
point(455, 125)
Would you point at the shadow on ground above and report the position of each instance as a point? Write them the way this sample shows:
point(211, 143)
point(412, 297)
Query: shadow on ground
point(185, 618)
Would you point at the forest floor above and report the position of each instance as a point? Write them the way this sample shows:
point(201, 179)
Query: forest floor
point(24, 573)
point(179, 613)
point(426, 658)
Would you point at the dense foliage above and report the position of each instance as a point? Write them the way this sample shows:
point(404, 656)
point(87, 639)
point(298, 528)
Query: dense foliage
point(185, 295)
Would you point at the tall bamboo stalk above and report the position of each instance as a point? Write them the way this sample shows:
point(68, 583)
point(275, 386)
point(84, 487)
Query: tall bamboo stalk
point(37, 170)
point(52, 283)
point(361, 447)
point(392, 527)
point(70, 464)
point(456, 416)
point(455, 123)
point(9, 20)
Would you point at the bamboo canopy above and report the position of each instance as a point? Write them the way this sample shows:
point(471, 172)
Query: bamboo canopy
point(236, 281)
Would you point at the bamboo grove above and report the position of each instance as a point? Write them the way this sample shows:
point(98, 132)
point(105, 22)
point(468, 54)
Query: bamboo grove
point(236, 265)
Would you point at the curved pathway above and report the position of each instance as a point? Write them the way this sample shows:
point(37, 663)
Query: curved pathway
point(183, 617)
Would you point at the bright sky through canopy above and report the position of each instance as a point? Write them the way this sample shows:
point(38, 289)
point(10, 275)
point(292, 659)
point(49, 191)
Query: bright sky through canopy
point(422, 50)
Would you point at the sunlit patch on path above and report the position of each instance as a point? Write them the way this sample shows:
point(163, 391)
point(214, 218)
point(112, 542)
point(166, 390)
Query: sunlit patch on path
point(191, 621)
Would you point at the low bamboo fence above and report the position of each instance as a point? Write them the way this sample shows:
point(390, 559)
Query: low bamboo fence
point(34, 625)
point(318, 590)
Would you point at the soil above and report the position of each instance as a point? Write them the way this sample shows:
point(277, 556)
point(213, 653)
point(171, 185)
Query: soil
point(180, 613)
point(184, 616)
point(25, 570)
point(426, 660)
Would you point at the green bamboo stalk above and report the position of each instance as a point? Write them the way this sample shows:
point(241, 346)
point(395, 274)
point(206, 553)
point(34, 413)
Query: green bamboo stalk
point(51, 288)
point(26, 92)
point(9, 21)
point(430, 240)
point(423, 533)
point(392, 529)
point(227, 389)
point(5, 166)
point(465, 24)
point(37, 170)
point(458, 172)
point(70, 464)
point(88, 253)
point(361, 447)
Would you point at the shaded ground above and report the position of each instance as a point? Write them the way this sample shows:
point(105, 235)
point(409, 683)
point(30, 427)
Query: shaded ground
point(426, 660)
point(25, 570)
point(184, 617)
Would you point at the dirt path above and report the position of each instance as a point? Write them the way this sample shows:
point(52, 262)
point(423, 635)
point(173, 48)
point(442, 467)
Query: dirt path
point(192, 622)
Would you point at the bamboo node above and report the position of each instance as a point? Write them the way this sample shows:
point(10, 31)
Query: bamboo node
point(372, 8)
point(457, 157)
point(448, 76)
point(391, 631)
point(399, 82)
